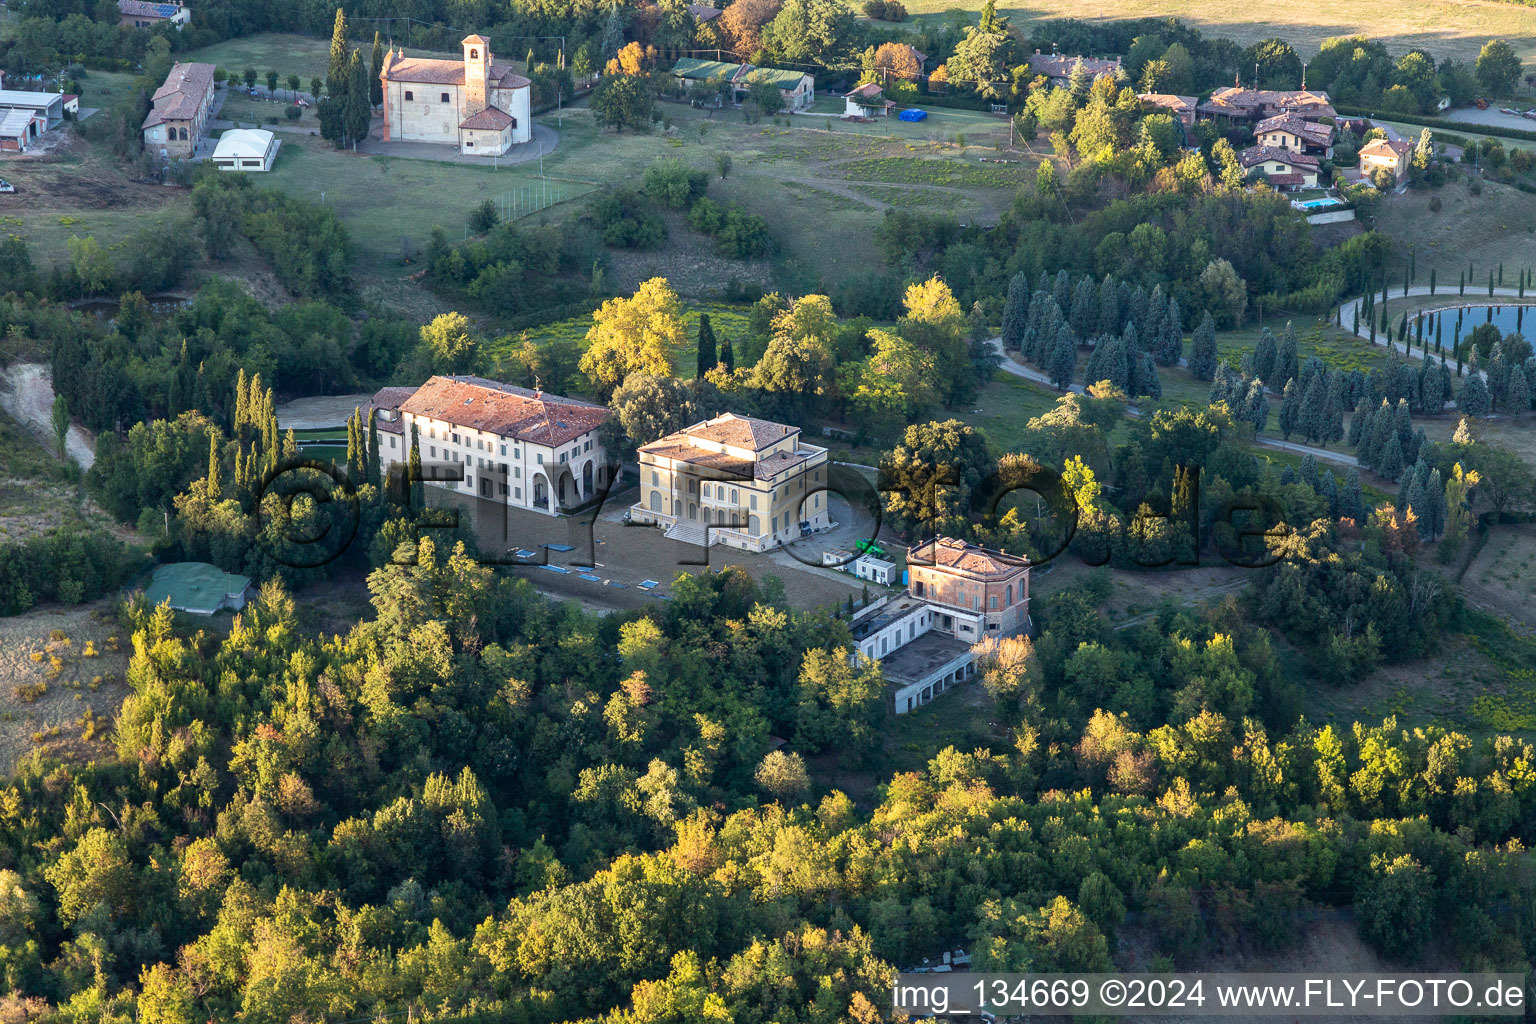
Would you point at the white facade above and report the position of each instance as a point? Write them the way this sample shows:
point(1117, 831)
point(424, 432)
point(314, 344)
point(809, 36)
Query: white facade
point(479, 106)
point(246, 149)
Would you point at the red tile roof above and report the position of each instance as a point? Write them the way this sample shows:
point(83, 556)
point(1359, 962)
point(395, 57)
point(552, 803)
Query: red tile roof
point(969, 559)
point(489, 119)
point(740, 431)
point(1057, 66)
point(1255, 155)
point(1386, 149)
point(869, 90)
point(1232, 101)
point(1317, 134)
point(1290, 180)
point(504, 409)
point(431, 71)
point(182, 96)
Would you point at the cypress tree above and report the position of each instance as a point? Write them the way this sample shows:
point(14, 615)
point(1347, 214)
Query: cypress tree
point(1202, 356)
point(1333, 407)
point(375, 471)
point(240, 402)
point(1016, 312)
point(1391, 462)
point(1172, 348)
point(1517, 397)
point(240, 481)
point(727, 355)
point(1490, 284)
point(1061, 291)
point(376, 70)
point(1351, 502)
point(1473, 400)
point(1147, 380)
point(1084, 311)
point(1431, 280)
point(1311, 418)
point(1407, 277)
point(338, 64)
point(1063, 360)
point(1501, 275)
point(214, 490)
point(1461, 285)
point(1359, 423)
point(1109, 321)
point(417, 491)
point(708, 357)
point(1354, 327)
point(1290, 405)
point(1264, 355)
point(1256, 406)
point(353, 441)
point(358, 110)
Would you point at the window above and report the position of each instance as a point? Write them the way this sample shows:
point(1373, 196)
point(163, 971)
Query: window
point(734, 499)
point(754, 501)
point(517, 472)
point(541, 458)
point(655, 478)
point(587, 447)
point(444, 98)
point(474, 54)
point(433, 450)
point(775, 524)
point(408, 95)
point(480, 444)
point(517, 453)
point(992, 603)
point(392, 442)
point(503, 451)
point(519, 493)
point(562, 456)
point(431, 431)
point(455, 438)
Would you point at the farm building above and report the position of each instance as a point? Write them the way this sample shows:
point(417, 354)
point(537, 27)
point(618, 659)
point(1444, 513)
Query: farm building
point(18, 130)
point(476, 104)
point(180, 112)
point(797, 89)
point(140, 14)
point(197, 588)
point(48, 107)
point(246, 149)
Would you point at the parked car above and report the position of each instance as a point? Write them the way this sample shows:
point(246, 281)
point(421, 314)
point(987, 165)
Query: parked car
point(6, 186)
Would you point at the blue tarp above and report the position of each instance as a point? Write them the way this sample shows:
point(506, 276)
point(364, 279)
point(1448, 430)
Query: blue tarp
point(913, 115)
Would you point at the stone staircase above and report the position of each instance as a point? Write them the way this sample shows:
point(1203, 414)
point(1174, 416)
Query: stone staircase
point(687, 533)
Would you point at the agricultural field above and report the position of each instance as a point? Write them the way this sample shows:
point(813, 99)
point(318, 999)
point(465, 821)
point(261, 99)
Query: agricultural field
point(1444, 27)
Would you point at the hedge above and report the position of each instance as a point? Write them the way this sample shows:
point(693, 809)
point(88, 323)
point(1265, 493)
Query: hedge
point(1480, 130)
point(953, 102)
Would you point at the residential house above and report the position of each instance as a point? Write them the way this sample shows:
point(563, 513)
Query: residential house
point(957, 595)
point(736, 480)
point(482, 438)
point(1058, 68)
point(475, 104)
point(1392, 154)
point(1181, 107)
point(1288, 131)
point(703, 13)
point(180, 112)
point(246, 149)
point(1282, 168)
point(868, 100)
point(140, 14)
point(1237, 104)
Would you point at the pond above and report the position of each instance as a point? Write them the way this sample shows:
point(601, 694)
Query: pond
point(1508, 319)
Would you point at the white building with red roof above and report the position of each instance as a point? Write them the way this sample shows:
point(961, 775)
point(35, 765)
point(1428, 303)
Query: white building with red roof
point(1389, 154)
point(958, 595)
point(1283, 168)
point(496, 441)
point(868, 100)
point(736, 480)
point(480, 106)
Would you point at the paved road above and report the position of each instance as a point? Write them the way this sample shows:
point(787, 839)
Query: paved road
point(1019, 369)
point(1452, 299)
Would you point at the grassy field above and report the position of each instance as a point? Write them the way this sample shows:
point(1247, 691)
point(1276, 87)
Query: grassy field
point(728, 321)
point(1454, 28)
point(287, 54)
point(1498, 226)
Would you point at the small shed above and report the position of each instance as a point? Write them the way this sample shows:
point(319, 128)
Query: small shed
point(197, 588)
point(876, 570)
point(837, 558)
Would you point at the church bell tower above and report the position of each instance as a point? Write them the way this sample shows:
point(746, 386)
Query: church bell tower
point(477, 73)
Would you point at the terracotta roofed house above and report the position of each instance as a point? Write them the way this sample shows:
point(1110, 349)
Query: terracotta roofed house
point(1279, 165)
point(141, 14)
point(957, 595)
point(1237, 104)
point(1058, 68)
point(1287, 131)
point(476, 104)
point(1181, 107)
point(737, 480)
point(1392, 154)
point(868, 100)
point(180, 112)
point(497, 441)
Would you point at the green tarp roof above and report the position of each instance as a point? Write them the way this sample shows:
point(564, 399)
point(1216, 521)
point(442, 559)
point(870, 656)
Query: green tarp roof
point(194, 586)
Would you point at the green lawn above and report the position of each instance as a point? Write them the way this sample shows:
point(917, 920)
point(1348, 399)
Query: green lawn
point(1007, 405)
point(287, 54)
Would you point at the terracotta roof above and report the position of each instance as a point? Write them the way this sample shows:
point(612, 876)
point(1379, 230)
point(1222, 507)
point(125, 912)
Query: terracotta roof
point(1255, 155)
point(1058, 66)
point(740, 431)
point(389, 400)
point(1318, 134)
point(431, 71)
point(1386, 149)
point(869, 90)
point(1287, 180)
point(1232, 100)
point(472, 39)
point(969, 559)
point(504, 409)
point(1168, 101)
point(182, 96)
point(489, 119)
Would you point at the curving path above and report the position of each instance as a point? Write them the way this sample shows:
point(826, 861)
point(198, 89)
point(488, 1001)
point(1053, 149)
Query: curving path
point(1018, 369)
point(1349, 308)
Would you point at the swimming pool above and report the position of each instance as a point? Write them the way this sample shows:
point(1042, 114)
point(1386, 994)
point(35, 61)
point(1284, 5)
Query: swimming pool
point(1317, 204)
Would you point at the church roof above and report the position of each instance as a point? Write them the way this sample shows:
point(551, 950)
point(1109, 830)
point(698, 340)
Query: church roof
point(490, 119)
point(432, 71)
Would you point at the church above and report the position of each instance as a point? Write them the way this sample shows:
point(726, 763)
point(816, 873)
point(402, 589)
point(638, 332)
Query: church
point(478, 105)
